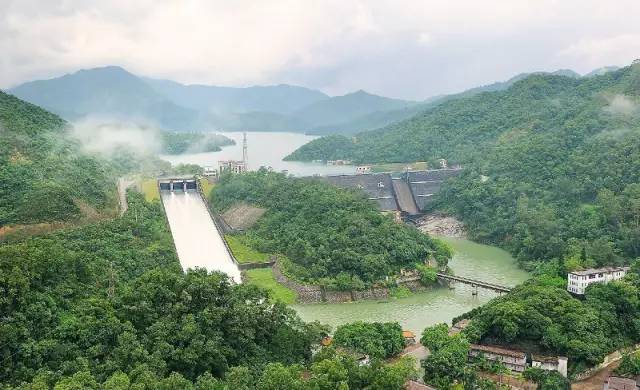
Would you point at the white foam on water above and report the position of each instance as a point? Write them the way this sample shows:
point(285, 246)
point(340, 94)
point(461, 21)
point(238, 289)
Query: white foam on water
point(198, 241)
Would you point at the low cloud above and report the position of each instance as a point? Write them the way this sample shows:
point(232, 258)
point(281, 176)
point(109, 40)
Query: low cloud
point(622, 105)
point(105, 138)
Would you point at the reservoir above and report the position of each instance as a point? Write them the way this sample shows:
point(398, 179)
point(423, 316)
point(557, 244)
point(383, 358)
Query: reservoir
point(196, 237)
point(420, 310)
point(415, 312)
point(264, 149)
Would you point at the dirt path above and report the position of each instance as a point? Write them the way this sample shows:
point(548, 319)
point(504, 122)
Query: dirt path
point(123, 184)
point(597, 381)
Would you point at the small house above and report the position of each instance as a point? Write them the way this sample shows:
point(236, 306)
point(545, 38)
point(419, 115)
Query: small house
point(409, 337)
point(515, 361)
point(550, 363)
point(619, 383)
point(577, 281)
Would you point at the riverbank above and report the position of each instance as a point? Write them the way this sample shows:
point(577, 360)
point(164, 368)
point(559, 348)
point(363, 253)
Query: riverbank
point(422, 309)
point(438, 224)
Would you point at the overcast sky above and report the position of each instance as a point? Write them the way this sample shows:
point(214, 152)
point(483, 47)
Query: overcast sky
point(410, 49)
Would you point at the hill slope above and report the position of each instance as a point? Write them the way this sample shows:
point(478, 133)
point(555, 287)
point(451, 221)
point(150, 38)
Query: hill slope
point(348, 107)
point(551, 164)
point(44, 176)
point(110, 92)
point(282, 99)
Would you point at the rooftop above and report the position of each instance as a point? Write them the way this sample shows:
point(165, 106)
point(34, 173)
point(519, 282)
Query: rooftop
point(619, 383)
point(592, 271)
point(546, 359)
point(498, 350)
point(408, 334)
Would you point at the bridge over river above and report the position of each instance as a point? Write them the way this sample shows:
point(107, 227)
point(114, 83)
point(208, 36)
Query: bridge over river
point(197, 239)
point(474, 283)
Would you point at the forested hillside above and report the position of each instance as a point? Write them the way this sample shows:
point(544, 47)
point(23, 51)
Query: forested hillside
point(109, 302)
point(44, 175)
point(540, 316)
point(331, 236)
point(551, 164)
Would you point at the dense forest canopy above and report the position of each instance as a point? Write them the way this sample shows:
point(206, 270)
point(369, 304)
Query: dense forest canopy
point(45, 176)
point(551, 164)
point(331, 235)
point(111, 299)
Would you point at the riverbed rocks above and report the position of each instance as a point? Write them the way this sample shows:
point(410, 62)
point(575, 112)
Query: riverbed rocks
point(441, 225)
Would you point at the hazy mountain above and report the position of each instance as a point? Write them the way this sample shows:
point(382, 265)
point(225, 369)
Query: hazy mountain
point(110, 92)
point(601, 71)
point(280, 99)
point(341, 109)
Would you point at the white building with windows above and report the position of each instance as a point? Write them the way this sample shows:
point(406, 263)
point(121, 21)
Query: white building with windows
point(577, 281)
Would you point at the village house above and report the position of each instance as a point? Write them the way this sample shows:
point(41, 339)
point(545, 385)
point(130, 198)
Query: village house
point(513, 360)
point(459, 326)
point(577, 281)
point(550, 363)
point(619, 383)
point(232, 166)
point(409, 337)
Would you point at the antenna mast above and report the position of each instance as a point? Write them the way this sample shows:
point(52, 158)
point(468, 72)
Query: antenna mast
point(245, 155)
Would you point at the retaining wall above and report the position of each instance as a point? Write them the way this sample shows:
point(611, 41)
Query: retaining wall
point(309, 293)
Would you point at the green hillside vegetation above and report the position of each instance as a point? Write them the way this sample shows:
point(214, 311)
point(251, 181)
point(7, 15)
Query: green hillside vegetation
point(551, 164)
point(111, 299)
point(542, 317)
point(331, 236)
point(44, 175)
point(178, 143)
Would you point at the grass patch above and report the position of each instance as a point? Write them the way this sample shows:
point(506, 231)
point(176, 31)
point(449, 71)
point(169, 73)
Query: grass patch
point(150, 190)
point(206, 187)
point(243, 253)
point(263, 277)
point(400, 292)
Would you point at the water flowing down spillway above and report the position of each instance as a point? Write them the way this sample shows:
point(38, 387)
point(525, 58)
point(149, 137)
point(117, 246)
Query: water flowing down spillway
point(198, 241)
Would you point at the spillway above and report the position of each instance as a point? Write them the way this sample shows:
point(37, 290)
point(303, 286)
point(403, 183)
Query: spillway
point(198, 241)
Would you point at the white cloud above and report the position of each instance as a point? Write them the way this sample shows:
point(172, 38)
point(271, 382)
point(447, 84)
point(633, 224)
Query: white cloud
point(385, 46)
point(622, 105)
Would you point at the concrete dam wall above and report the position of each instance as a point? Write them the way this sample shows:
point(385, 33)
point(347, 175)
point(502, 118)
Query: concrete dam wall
point(411, 193)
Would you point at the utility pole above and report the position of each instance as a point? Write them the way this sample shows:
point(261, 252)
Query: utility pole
point(245, 155)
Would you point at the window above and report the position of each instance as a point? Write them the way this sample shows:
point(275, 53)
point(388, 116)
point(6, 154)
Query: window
point(592, 276)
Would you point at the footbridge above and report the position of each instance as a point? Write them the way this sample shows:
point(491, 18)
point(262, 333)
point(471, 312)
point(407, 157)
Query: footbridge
point(474, 283)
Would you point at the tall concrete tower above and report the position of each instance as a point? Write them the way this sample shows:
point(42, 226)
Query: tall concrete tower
point(245, 155)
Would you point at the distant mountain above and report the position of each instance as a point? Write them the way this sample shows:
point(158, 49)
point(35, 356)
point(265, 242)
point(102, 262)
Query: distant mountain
point(114, 93)
point(601, 71)
point(341, 109)
point(109, 92)
point(281, 99)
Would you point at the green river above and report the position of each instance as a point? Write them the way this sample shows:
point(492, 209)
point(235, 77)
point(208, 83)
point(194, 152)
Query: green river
point(418, 311)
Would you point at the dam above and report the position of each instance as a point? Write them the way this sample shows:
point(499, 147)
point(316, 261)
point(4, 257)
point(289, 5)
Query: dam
point(197, 239)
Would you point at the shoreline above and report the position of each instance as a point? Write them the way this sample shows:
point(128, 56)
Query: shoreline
point(441, 225)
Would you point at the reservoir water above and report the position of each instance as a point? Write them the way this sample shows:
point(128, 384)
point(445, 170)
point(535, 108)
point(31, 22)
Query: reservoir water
point(435, 306)
point(264, 149)
point(196, 237)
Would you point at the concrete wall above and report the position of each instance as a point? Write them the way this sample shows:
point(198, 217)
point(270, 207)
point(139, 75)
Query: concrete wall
point(308, 293)
point(375, 185)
